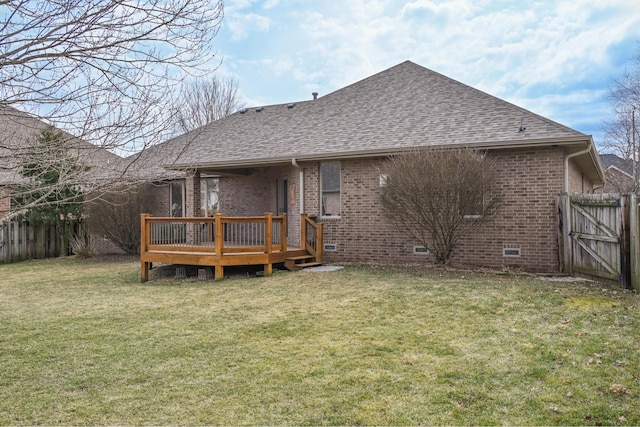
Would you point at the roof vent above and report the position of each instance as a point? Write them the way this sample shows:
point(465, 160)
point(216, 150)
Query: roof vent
point(522, 128)
point(290, 106)
point(244, 110)
point(315, 95)
point(259, 109)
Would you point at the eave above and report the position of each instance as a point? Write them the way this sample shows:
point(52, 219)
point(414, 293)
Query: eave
point(569, 144)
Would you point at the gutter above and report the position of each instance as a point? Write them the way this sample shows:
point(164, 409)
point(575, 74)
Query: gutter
point(297, 166)
point(565, 168)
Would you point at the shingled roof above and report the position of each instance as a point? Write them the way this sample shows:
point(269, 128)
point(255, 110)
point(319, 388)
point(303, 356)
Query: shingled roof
point(18, 131)
point(404, 107)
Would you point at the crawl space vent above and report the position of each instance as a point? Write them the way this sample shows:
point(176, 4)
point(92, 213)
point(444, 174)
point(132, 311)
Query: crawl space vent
point(511, 252)
point(330, 247)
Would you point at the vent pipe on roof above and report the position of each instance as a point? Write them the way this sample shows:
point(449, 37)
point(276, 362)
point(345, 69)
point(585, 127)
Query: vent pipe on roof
point(315, 95)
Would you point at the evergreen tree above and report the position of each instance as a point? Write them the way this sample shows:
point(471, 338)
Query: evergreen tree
point(47, 195)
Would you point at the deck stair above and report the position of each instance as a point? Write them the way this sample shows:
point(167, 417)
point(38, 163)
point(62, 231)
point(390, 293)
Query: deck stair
point(297, 263)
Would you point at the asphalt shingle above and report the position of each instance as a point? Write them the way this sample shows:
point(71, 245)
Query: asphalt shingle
point(402, 107)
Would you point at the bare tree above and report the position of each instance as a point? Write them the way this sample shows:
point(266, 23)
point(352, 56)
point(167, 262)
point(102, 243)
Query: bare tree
point(438, 196)
point(621, 131)
point(116, 216)
point(203, 101)
point(102, 71)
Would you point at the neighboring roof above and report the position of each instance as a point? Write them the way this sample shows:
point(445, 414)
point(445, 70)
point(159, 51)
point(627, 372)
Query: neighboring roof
point(18, 131)
point(616, 162)
point(404, 107)
point(152, 163)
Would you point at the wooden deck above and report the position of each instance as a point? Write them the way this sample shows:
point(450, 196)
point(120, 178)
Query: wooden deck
point(227, 241)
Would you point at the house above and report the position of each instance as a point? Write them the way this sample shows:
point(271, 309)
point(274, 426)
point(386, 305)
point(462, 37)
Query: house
point(618, 173)
point(19, 131)
point(97, 167)
point(325, 157)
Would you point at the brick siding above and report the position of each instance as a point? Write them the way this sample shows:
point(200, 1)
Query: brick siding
point(529, 180)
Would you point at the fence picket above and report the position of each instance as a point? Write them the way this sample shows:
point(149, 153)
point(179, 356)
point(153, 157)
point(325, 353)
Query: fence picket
point(20, 240)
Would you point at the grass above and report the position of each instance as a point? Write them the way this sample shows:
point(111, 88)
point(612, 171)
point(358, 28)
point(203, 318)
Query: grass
point(85, 343)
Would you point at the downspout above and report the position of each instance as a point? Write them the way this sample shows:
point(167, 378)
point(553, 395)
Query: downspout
point(566, 164)
point(297, 166)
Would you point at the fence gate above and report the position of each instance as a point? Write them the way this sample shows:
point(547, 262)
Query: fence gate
point(595, 235)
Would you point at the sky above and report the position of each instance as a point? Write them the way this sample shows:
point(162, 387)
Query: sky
point(554, 58)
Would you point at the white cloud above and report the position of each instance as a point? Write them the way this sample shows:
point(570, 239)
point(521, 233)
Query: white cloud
point(241, 25)
point(535, 54)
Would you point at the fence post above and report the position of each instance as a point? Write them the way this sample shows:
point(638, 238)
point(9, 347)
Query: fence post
point(634, 249)
point(565, 207)
point(4, 242)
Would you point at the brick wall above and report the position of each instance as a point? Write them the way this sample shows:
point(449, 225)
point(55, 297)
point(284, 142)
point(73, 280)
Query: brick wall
point(255, 194)
point(530, 181)
point(192, 195)
point(578, 183)
point(616, 182)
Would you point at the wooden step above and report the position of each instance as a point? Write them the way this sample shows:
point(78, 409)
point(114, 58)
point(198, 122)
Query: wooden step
point(309, 264)
point(300, 257)
point(292, 265)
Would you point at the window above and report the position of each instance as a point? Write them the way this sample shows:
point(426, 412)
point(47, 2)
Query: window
point(282, 195)
point(330, 188)
point(176, 198)
point(209, 201)
point(473, 205)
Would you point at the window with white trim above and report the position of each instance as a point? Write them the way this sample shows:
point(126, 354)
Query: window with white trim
point(176, 198)
point(209, 202)
point(330, 188)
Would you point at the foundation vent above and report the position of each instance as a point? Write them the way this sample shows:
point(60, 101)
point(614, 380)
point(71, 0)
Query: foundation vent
point(420, 250)
point(511, 252)
point(330, 247)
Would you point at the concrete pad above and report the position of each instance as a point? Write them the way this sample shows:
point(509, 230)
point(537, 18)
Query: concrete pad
point(324, 268)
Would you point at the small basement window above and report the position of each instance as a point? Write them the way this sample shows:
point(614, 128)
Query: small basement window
point(420, 250)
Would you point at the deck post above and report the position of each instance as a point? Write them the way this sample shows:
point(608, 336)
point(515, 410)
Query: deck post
point(218, 272)
point(268, 232)
point(218, 236)
point(144, 239)
point(320, 243)
point(303, 230)
point(219, 245)
point(283, 232)
point(268, 240)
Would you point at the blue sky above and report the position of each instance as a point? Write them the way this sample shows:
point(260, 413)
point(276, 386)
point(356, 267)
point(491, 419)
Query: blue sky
point(555, 58)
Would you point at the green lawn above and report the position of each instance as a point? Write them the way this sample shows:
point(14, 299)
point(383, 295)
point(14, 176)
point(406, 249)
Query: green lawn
point(83, 342)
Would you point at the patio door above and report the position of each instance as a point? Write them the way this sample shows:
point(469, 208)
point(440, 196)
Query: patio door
point(282, 193)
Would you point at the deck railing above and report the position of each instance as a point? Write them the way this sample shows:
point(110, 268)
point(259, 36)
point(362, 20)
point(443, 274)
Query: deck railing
point(217, 235)
point(311, 237)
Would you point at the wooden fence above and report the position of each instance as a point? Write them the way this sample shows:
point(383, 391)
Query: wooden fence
point(601, 236)
point(20, 240)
